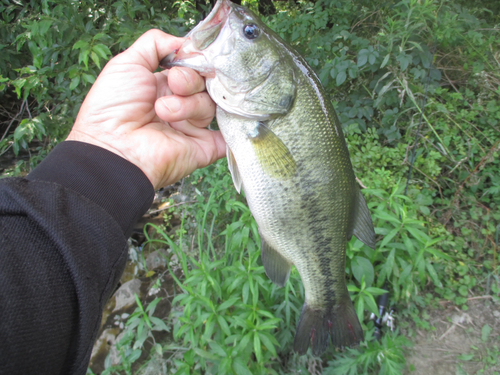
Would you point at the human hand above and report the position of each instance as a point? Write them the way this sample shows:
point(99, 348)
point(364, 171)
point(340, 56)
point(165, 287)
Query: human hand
point(156, 121)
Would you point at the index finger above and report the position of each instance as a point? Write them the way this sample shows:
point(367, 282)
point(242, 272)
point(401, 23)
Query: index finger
point(185, 81)
point(150, 49)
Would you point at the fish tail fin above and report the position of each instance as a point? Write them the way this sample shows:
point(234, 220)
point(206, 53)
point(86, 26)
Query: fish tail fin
point(339, 322)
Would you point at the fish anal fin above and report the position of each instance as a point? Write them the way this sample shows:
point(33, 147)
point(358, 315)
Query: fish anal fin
point(233, 168)
point(272, 154)
point(363, 224)
point(339, 323)
point(277, 268)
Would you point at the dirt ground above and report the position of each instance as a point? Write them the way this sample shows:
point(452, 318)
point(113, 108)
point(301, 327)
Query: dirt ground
point(463, 342)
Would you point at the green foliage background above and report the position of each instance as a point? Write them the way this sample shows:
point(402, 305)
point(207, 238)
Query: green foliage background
point(391, 69)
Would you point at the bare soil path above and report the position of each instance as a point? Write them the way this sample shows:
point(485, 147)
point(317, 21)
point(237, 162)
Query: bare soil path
point(463, 342)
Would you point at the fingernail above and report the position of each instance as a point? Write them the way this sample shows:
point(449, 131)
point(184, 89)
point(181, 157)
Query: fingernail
point(186, 76)
point(172, 104)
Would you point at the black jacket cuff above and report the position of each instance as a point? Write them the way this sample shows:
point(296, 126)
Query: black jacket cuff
point(110, 181)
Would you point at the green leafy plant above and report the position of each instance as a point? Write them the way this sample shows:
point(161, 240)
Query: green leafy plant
point(384, 357)
point(139, 327)
point(228, 309)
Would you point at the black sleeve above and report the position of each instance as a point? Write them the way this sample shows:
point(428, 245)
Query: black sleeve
point(63, 233)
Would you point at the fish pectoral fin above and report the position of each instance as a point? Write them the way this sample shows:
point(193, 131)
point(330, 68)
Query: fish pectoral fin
point(272, 154)
point(233, 168)
point(363, 224)
point(277, 268)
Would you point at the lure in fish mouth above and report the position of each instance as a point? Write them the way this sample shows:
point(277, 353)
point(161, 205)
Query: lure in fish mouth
point(287, 152)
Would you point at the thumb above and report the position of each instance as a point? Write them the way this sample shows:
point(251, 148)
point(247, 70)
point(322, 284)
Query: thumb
point(149, 49)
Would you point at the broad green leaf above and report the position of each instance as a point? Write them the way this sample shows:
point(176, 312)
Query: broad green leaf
point(142, 335)
point(217, 349)
point(404, 60)
point(465, 357)
point(102, 50)
point(81, 44)
point(372, 58)
point(95, 59)
point(375, 291)
point(44, 26)
point(245, 292)
point(268, 324)
point(404, 275)
point(352, 288)
point(244, 342)
point(362, 57)
point(255, 299)
point(223, 324)
point(225, 366)
point(417, 45)
point(180, 297)
point(389, 264)
point(438, 253)
point(371, 304)
point(100, 36)
point(388, 237)
point(268, 344)
point(84, 57)
point(324, 76)
point(360, 309)
point(228, 303)
point(159, 325)
point(409, 245)
point(341, 77)
point(421, 264)
point(257, 347)
point(463, 290)
point(485, 332)
point(385, 216)
point(362, 267)
point(205, 354)
point(152, 306)
point(158, 349)
point(240, 367)
point(433, 275)
point(210, 326)
point(418, 234)
point(74, 83)
point(265, 313)
point(425, 210)
point(134, 356)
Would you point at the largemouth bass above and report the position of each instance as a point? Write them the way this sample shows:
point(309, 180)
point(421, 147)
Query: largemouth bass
point(286, 150)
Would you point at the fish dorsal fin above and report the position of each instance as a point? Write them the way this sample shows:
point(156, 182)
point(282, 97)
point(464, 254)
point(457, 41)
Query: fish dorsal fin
point(363, 225)
point(233, 168)
point(277, 268)
point(272, 154)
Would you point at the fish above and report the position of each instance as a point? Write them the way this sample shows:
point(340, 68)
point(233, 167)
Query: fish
point(287, 152)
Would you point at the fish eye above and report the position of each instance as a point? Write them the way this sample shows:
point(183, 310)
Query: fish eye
point(251, 31)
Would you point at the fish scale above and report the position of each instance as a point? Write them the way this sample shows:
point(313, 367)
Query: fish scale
point(286, 150)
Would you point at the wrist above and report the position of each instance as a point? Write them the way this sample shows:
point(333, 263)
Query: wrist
point(76, 135)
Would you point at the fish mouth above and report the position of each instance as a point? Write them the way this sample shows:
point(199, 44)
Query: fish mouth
point(190, 54)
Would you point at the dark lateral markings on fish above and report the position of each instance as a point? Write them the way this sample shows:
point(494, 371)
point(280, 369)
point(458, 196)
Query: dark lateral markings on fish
point(286, 150)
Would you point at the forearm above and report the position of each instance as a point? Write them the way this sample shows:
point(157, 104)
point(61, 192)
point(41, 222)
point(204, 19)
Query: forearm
point(64, 232)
